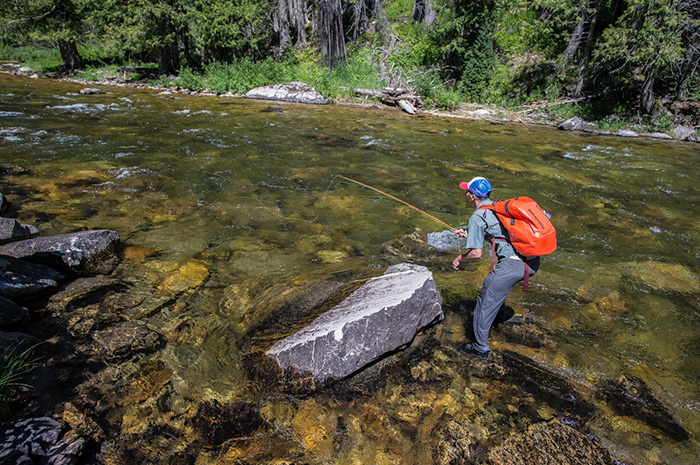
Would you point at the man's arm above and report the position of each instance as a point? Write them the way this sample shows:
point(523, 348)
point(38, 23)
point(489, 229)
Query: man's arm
point(471, 256)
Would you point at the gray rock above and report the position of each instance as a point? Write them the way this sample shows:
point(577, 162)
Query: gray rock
point(683, 132)
point(627, 133)
point(83, 252)
point(297, 92)
point(659, 135)
point(12, 230)
point(383, 315)
point(446, 240)
point(24, 441)
point(91, 91)
point(574, 124)
point(21, 279)
point(126, 339)
point(12, 316)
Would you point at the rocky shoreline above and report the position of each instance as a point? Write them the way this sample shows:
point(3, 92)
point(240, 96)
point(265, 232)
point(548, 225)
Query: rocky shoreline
point(680, 132)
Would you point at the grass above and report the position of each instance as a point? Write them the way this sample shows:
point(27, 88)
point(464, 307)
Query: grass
point(13, 367)
point(37, 58)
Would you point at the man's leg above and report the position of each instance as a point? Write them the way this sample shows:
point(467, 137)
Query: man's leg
point(494, 292)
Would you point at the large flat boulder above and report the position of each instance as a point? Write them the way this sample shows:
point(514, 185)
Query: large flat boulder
point(297, 92)
point(83, 252)
point(380, 317)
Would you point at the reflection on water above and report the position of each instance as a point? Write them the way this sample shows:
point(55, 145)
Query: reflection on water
point(223, 206)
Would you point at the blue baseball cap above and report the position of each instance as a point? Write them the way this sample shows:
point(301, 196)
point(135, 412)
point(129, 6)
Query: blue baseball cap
point(478, 186)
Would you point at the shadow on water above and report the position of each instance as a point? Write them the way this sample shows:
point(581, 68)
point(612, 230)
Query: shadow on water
point(236, 232)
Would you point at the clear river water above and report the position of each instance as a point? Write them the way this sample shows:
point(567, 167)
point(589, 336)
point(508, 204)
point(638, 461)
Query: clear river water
point(225, 203)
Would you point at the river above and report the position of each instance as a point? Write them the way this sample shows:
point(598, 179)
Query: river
point(221, 202)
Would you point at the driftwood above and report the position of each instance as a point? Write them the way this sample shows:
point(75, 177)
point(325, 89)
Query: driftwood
point(405, 100)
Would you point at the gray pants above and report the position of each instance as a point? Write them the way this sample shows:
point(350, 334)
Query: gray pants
point(496, 288)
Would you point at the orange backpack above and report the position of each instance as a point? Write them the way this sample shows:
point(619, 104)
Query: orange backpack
point(529, 230)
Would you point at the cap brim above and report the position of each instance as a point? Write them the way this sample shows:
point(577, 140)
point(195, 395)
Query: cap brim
point(464, 185)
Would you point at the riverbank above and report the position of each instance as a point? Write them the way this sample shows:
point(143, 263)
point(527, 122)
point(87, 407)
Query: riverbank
point(536, 113)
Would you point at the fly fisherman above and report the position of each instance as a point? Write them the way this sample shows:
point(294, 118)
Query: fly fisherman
point(510, 269)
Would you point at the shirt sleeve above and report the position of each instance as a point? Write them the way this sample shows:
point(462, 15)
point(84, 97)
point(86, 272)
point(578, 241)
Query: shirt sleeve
point(476, 230)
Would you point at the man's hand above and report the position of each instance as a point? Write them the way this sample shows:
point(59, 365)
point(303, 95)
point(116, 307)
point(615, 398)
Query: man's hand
point(461, 233)
point(456, 262)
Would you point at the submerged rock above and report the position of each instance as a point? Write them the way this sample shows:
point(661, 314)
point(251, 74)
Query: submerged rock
point(383, 315)
point(83, 252)
point(125, 340)
point(551, 442)
point(298, 92)
point(12, 230)
point(630, 396)
point(217, 423)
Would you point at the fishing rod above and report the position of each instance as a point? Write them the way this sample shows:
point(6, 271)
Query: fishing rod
point(398, 200)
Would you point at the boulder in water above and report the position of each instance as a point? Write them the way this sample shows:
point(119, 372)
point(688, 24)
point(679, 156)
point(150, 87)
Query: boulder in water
point(382, 316)
point(83, 252)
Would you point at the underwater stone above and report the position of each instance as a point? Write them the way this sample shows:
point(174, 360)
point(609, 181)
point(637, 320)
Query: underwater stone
point(382, 316)
point(83, 252)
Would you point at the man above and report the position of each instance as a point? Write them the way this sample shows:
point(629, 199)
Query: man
point(510, 269)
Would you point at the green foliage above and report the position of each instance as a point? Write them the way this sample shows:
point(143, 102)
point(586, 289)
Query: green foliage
point(396, 9)
point(463, 40)
point(13, 367)
point(37, 58)
point(187, 79)
point(416, 48)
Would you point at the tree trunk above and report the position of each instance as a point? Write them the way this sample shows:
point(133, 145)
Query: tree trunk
point(583, 68)
point(166, 56)
point(332, 37)
point(299, 15)
point(423, 12)
point(576, 35)
point(69, 54)
point(647, 101)
point(283, 17)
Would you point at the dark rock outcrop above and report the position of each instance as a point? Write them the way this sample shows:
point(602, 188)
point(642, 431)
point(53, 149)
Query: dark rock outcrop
point(83, 252)
point(12, 316)
point(297, 92)
point(12, 230)
point(382, 316)
point(20, 279)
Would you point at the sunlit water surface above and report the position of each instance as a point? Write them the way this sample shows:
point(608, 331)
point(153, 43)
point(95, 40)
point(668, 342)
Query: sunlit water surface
point(241, 195)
